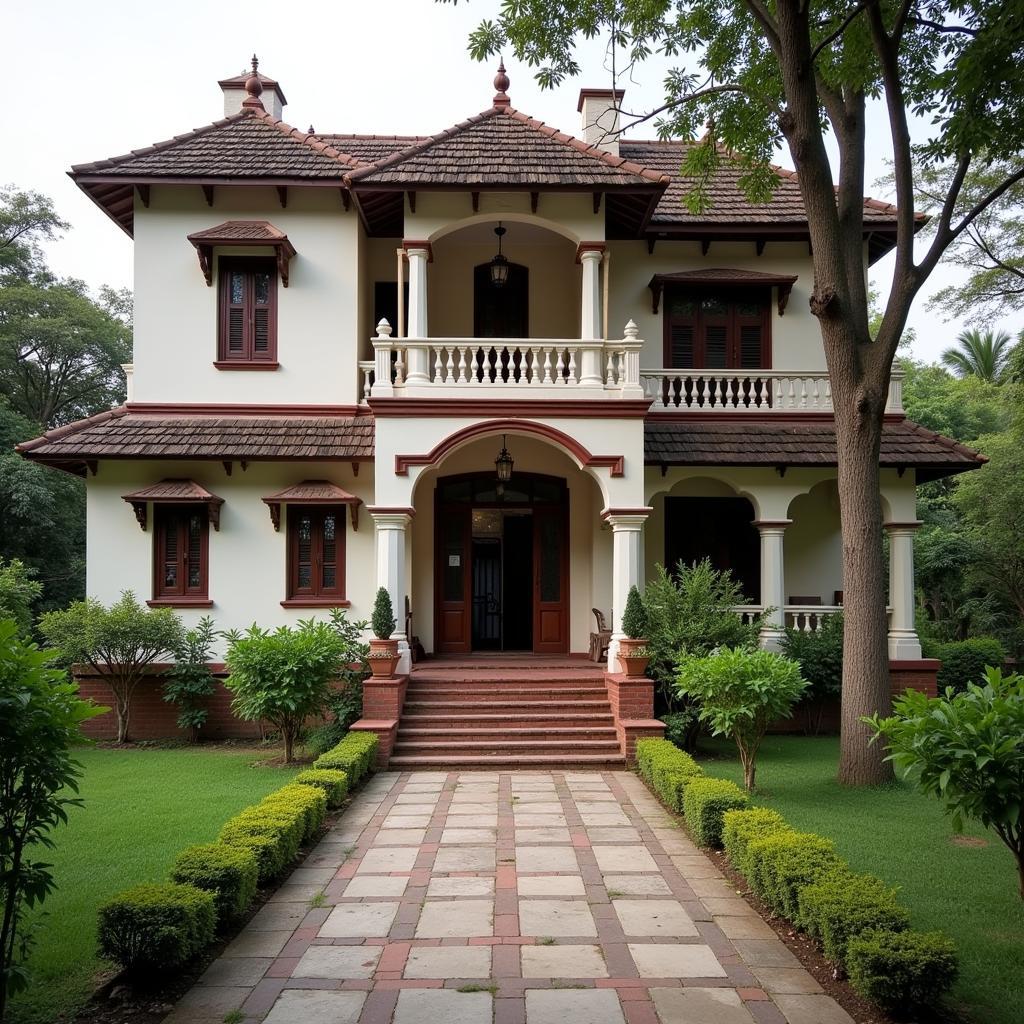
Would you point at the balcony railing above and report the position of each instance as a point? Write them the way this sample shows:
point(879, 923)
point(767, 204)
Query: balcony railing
point(805, 618)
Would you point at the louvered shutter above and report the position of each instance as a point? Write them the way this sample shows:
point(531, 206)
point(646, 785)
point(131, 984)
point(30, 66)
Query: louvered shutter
point(181, 551)
point(248, 314)
point(750, 347)
point(170, 556)
point(238, 289)
point(194, 528)
point(681, 340)
point(261, 314)
point(317, 553)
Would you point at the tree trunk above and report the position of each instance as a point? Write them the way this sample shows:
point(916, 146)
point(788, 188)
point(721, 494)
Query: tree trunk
point(122, 708)
point(289, 743)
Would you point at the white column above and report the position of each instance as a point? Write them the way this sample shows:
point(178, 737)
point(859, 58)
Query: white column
point(773, 581)
point(418, 370)
point(391, 525)
point(627, 567)
point(904, 644)
point(591, 370)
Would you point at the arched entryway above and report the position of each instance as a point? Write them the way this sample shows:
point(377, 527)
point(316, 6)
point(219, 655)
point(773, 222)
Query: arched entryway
point(501, 574)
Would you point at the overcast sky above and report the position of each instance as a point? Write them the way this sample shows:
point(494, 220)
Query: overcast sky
point(85, 81)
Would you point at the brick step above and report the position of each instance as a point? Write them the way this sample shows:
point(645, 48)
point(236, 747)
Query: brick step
point(507, 731)
point(504, 693)
point(554, 706)
point(402, 744)
point(520, 761)
point(512, 679)
point(508, 719)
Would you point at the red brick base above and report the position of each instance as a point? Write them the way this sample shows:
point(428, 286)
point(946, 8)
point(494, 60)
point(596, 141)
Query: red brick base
point(915, 675)
point(632, 703)
point(383, 700)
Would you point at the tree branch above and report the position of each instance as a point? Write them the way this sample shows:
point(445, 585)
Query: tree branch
point(843, 26)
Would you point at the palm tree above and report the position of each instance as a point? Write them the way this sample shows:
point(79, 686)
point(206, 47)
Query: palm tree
point(981, 354)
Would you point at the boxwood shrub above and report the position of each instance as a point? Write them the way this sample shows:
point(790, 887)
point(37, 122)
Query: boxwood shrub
point(229, 872)
point(841, 904)
point(667, 770)
point(334, 783)
point(705, 803)
point(740, 828)
point(310, 801)
point(355, 755)
point(783, 863)
point(153, 928)
point(901, 971)
point(272, 834)
point(964, 661)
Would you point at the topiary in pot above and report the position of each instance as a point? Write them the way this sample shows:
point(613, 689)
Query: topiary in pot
point(383, 655)
point(632, 647)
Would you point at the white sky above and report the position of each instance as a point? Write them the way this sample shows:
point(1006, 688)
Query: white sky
point(84, 81)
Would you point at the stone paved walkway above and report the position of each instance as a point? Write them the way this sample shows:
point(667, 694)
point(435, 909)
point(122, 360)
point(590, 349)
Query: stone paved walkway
point(507, 898)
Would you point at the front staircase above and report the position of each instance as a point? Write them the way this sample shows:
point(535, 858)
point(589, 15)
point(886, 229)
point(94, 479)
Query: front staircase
point(508, 713)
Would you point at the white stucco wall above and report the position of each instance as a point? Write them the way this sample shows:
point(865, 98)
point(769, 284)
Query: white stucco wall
point(176, 313)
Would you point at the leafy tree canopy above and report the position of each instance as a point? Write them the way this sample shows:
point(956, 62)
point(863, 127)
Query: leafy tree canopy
point(26, 219)
point(982, 354)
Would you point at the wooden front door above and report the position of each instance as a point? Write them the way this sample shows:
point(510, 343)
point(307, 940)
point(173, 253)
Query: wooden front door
point(550, 580)
point(453, 580)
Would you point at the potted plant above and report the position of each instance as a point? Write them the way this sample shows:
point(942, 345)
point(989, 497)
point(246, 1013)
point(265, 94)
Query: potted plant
point(383, 656)
point(633, 655)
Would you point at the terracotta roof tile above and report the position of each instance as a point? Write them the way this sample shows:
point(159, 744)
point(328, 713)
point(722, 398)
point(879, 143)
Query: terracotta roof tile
point(172, 491)
point(241, 231)
point(313, 491)
point(370, 148)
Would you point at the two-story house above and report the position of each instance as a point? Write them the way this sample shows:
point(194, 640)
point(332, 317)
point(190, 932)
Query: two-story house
point(500, 370)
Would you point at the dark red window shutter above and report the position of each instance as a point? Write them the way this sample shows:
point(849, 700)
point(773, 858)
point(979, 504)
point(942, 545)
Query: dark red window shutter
point(316, 552)
point(181, 551)
point(248, 310)
point(717, 329)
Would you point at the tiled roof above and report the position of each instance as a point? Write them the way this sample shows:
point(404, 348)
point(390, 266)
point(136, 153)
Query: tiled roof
point(250, 144)
point(124, 434)
point(172, 491)
point(370, 148)
point(502, 146)
point(792, 443)
point(313, 492)
point(240, 231)
point(728, 203)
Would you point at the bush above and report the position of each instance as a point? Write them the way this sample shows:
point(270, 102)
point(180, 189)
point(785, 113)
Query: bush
point(705, 803)
point(667, 769)
point(190, 681)
point(819, 653)
point(229, 872)
point(278, 831)
point(741, 828)
point(634, 618)
point(681, 727)
point(19, 591)
point(334, 783)
point(382, 621)
point(782, 863)
point(355, 755)
point(965, 661)
point(841, 904)
point(740, 693)
point(309, 801)
point(119, 643)
point(901, 970)
point(156, 928)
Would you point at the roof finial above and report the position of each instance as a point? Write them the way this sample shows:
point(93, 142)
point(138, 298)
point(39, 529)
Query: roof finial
point(501, 84)
point(253, 88)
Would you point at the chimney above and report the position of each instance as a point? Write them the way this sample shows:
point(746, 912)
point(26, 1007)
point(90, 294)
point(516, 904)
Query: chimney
point(599, 108)
point(235, 94)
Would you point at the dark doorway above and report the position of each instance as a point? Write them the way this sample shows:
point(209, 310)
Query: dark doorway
point(720, 529)
point(501, 312)
point(518, 562)
point(487, 593)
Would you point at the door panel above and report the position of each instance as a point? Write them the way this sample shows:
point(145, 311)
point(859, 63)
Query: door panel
point(452, 573)
point(550, 581)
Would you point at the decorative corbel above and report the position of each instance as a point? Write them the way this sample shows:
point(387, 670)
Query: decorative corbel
point(354, 513)
point(282, 264)
point(282, 195)
point(534, 201)
point(213, 511)
point(705, 246)
point(143, 191)
point(275, 514)
point(655, 295)
point(141, 510)
point(412, 201)
point(208, 194)
point(475, 196)
point(597, 202)
point(227, 467)
point(355, 469)
point(784, 293)
point(205, 254)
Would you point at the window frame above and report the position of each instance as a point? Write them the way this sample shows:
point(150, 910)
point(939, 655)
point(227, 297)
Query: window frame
point(249, 359)
point(317, 596)
point(733, 324)
point(164, 514)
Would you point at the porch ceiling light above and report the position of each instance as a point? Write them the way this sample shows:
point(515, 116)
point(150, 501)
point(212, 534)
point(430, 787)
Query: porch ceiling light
point(503, 463)
point(499, 265)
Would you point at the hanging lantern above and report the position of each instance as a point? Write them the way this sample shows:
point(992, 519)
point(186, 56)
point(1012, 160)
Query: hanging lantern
point(499, 265)
point(503, 464)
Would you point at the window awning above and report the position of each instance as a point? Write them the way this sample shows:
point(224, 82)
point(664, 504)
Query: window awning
point(239, 233)
point(174, 492)
point(312, 492)
point(723, 277)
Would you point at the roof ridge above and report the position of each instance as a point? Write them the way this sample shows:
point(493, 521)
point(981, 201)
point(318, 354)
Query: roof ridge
point(306, 138)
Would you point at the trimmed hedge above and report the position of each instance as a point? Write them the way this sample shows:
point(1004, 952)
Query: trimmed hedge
point(280, 833)
point(355, 755)
point(154, 928)
point(783, 863)
point(229, 872)
point(841, 904)
point(704, 805)
point(741, 828)
point(311, 801)
point(334, 783)
point(667, 770)
point(964, 661)
point(901, 970)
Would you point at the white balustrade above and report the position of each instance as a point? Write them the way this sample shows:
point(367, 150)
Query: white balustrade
point(367, 370)
point(804, 618)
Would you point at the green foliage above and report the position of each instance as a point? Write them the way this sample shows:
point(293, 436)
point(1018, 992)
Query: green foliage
point(334, 783)
point(667, 770)
point(681, 727)
point(740, 693)
point(284, 676)
point(355, 755)
point(40, 715)
point(965, 748)
point(272, 834)
point(783, 862)
point(965, 661)
point(841, 904)
point(690, 612)
point(634, 618)
point(345, 700)
point(705, 803)
point(189, 681)
point(154, 929)
point(19, 590)
point(119, 643)
point(383, 619)
point(229, 872)
point(982, 354)
point(26, 220)
point(741, 828)
point(311, 801)
point(901, 971)
point(819, 653)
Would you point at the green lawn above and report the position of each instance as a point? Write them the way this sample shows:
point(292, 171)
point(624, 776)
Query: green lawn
point(141, 807)
point(967, 891)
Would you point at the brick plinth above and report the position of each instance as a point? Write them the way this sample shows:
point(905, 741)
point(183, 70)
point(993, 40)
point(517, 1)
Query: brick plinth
point(384, 697)
point(632, 703)
point(386, 730)
point(921, 674)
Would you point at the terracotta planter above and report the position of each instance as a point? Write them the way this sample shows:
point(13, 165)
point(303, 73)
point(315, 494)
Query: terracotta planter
point(383, 657)
point(631, 663)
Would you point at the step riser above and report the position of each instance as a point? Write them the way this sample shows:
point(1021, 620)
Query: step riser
point(598, 763)
point(518, 705)
point(459, 737)
point(421, 726)
point(503, 696)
